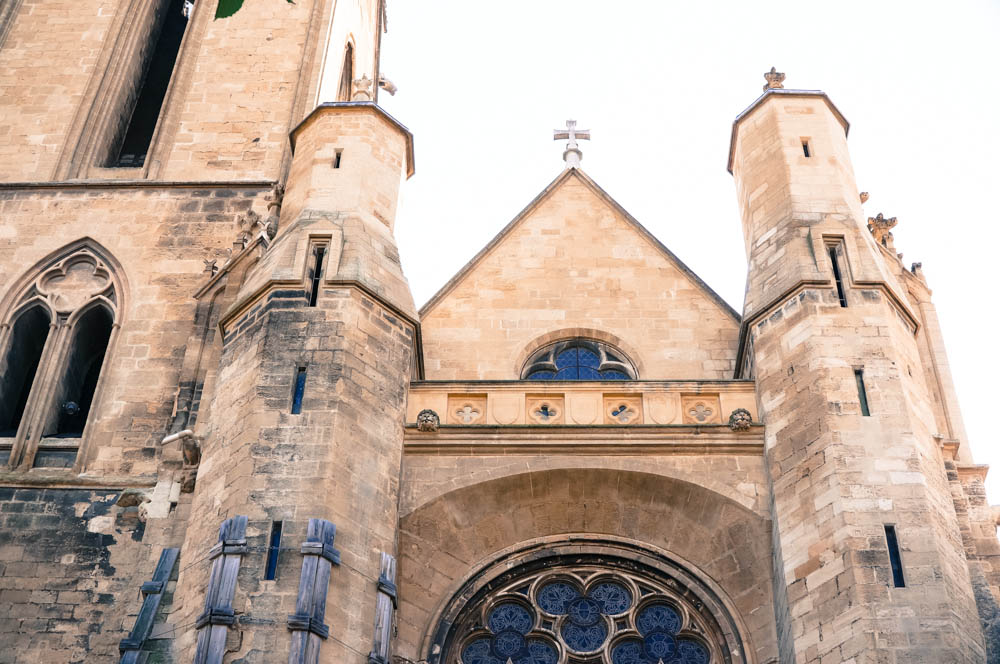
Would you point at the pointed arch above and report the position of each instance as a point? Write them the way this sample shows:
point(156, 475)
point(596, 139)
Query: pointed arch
point(77, 294)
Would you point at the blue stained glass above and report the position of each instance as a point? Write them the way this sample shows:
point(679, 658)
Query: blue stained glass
point(509, 616)
point(614, 375)
point(584, 611)
point(568, 358)
point(586, 373)
point(554, 597)
point(659, 617)
point(627, 652)
point(542, 375)
point(539, 652)
point(691, 652)
point(584, 639)
point(569, 373)
point(660, 645)
point(479, 652)
point(507, 644)
point(613, 598)
point(589, 358)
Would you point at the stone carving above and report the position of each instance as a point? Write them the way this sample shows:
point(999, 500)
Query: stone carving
point(774, 80)
point(251, 225)
point(572, 154)
point(274, 200)
point(880, 228)
point(740, 420)
point(72, 283)
point(191, 451)
point(361, 89)
point(387, 85)
point(428, 421)
point(701, 409)
point(211, 266)
point(864, 197)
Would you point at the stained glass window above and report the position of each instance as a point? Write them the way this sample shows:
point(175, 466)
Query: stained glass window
point(586, 613)
point(578, 359)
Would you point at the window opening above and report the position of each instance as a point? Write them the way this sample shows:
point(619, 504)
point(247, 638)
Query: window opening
point(336, 158)
point(578, 359)
point(346, 75)
point(83, 369)
point(837, 277)
point(152, 90)
point(271, 569)
point(317, 274)
point(859, 377)
point(300, 390)
point(805, 147)
point(28, 338)
point(895, 561)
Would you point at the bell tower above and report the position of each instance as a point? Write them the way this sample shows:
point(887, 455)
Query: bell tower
point(868, 561)
point(303, 444)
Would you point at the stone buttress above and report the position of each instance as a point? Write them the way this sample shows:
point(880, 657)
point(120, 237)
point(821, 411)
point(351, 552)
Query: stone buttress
point(305, 427)
point(833, 341)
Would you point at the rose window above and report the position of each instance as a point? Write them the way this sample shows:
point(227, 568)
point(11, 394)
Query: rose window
point(587, 615)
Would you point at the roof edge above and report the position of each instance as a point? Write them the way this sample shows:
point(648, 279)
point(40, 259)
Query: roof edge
point(359, 105)
point(545, 193)
point(781, 92)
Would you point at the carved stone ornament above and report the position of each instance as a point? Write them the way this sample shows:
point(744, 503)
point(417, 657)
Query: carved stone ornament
point(774, 80)
point(864, 197)
point(71, 283)
point(190, 445)
point(880, 229)
point(740, 420)
point(361, 89)
point(428, 421)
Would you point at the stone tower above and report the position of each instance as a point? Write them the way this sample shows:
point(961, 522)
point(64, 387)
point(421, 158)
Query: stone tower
point(836, 341)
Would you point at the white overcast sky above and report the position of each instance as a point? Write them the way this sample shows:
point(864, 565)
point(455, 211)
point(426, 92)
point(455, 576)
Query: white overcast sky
point(658, 83)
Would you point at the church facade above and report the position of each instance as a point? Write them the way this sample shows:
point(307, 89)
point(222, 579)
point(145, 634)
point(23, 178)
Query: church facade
point(228, 435)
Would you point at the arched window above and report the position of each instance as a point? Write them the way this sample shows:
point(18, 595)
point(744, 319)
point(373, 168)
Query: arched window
point(578, 359)
point(88, 345)
point(586, 609)
point(53, 344)
point(346, 74)
point(28, 335)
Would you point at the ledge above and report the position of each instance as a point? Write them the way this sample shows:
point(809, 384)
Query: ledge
point(53, 479)
point(139, 184)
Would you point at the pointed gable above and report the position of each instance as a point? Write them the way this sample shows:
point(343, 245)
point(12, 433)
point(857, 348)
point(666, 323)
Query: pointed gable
point(575, 263)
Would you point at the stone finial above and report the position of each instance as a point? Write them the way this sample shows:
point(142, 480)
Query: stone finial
point(361, 89)
point(864, 197)
point(428, 421)
point(774, 79)
point(572, 155)
point(387, 85)
point(740, 420)
point(880, 228)
point(210, 266)
point(275, 197)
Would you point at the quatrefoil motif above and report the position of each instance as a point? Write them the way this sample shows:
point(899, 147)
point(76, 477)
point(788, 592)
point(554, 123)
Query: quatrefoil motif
point(584, 629)
point(509, 624)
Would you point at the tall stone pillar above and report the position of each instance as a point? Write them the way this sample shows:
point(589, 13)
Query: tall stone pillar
point(307, 413)
point(849, 421)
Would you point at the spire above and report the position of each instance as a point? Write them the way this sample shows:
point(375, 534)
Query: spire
point(572, 155)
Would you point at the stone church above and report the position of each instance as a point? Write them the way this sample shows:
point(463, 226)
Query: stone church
point(227, 434)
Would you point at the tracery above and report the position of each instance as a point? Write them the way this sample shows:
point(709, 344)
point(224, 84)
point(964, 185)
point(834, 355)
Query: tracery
point(578, 359)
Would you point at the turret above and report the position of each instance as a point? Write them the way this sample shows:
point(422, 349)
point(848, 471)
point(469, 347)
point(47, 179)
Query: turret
point(866, 544)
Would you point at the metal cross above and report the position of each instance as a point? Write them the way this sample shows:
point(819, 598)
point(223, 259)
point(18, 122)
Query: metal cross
point(572, 155)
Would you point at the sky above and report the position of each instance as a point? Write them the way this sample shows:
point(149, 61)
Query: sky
point(482, 86)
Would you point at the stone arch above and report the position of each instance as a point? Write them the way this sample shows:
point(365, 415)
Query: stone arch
point(446, 543)
point(536, 344)
point(70, 284)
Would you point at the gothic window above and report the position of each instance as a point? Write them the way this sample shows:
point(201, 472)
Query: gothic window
point(53, 347)
point(154, 70)
point(586, 612)
point(29, 332)
point(346, 75)
point(578, 359)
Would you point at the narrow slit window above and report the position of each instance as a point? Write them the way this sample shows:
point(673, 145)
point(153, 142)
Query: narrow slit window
point(151, 88)
point(273, 547)
point(838, 277)
point(894, 559)
point(337, 157)
point(317, 274)
point(300, 390)
point(859, 377)
point(805, 147)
